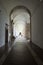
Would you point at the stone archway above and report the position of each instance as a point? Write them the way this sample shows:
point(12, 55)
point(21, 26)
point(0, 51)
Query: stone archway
point(17, 10)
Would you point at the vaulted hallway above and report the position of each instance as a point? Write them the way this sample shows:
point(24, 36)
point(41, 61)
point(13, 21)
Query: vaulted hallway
point(21, 32)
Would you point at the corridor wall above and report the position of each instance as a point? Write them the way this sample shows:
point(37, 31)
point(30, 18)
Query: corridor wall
point(37, 26)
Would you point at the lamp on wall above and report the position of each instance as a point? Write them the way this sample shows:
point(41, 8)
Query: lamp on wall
point(6, 25)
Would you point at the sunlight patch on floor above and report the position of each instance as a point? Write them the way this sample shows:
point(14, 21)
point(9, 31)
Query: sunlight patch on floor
point(21, 40)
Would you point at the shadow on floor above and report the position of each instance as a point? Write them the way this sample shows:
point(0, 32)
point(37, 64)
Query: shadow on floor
point(2, 50)
point(37, 50)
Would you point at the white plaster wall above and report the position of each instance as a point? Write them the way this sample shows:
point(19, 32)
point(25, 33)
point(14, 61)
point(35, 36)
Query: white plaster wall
point(37, 27)
point(3, 20)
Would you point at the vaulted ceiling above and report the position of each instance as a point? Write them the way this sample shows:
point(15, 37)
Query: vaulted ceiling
point(8, 5)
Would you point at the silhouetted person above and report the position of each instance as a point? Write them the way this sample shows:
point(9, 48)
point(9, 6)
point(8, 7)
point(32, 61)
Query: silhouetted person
point(20, 34)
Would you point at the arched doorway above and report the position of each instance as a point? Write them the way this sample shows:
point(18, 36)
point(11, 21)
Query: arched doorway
point(20, 22)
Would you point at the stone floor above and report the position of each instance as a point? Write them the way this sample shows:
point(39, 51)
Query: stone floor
point(20, 54)
point(2, 51)
point(37, 50)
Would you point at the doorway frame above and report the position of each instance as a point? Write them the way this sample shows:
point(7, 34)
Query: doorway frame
point(6, 37)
